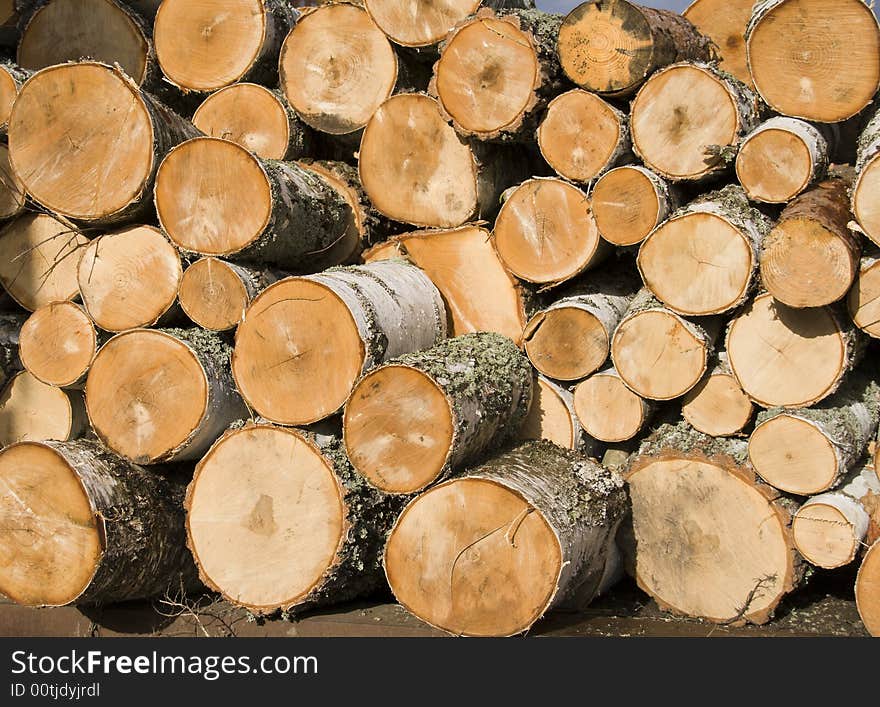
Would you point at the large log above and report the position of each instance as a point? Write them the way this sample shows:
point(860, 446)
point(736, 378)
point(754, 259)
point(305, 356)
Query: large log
point(31, 410)
point(96, 177)
point(12, 192)
point(345, 321)
point(203, 46)
point(582, 136)
point(608, 410)
point(659, 354)
point(814, 59)
point(416, 169)
point(277, 519)
point(708, 540)
point(724, 23)
point(811, 257)
point(780, 158)
point(717, 406)
point(58, 343)
point(612, 46)
point(863, 302)
point(704, 259)
point(829, 529)
point(496, 73)
point(215, 294)
point(254, 117)
point(791, 357)
point(811, 450)
point(480, 294)
point(91, 528)
point(688, 120)
point(545, 232)
point(552, 417)
point(162, 395)
point(629, 202)
point(214, 197)
point(129, 279)
point(337, 68)
point(865, 204)
point(39, 255)
point(420, 417)
point(488, 554)
point(868, 590)
point(571, 338)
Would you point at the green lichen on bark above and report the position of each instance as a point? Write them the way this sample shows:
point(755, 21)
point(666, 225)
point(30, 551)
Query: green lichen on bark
point(735, 206)
point(208, 346)
point(681, 438)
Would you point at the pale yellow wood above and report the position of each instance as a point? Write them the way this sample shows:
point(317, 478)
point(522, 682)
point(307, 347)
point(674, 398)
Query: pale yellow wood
point(866, 205)
point(57, 343)
point(864, 300)
point(548, 417)
point(724, 22)
point(607, 409)
point(774, 166)
point(566, 343)
point(824, 536)
point(625, 206)
point(868, 590)
point(793, 455)
point(12, 192)
point(417, 23)
point(213, 295)
point(31, 410)
point(717, 406)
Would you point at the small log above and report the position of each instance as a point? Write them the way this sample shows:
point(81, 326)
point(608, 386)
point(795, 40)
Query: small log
point(688, 120)
point(708, 540)
point(162, 395)
point(581, 136)
point(416, 169)
point(420, 417)
point(608, 410)
point(830, 529)
point(811, 257)
point(611, 46)
point(814, 59)
point(571, 339)
point(12, 77)
point(811, 450)
point(480, 294)
point(58, 343)
point(863, 302)
point(39, 255)
point(214, 197)
point(348, 321)
point(215, 294)
point(794, 358)
point(724, 23)
point(337, 68)
point(12, 194)
point(205, 46)
point(490, 553)
point(629, 202)
point(660, 355)
point(496, 73)
point(129, 279)
point(868, 590)
point(704, 259)
point(545, 232)
point(865, 204)
point(95, 176)
point(97, 530)
point(31, 410)
point(297, 528)
point(254, 117)
point(717, 406)
point(552, 418)
point(780, 158)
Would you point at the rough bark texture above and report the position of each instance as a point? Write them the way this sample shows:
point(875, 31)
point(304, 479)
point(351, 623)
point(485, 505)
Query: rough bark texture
point(869, 141)
point(140, 516)
point(10, 326)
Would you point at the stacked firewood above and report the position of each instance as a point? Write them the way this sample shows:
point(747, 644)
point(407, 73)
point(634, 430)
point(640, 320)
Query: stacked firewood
point(481, 302)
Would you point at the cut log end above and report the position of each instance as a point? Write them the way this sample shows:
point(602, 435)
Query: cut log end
point(787, 357)
point(129, 279)
point(545, 233)
point(249, 115)
point(75, 138)
point(398, 429)
point(794, 455)
point(504, 559)
point(815, 59)
point(337, 68)
point(51, 557)
point(146, 394)
point(824, 535)
point(627, 206)
point(12, 190)
point(550, 417)
point(724, 22)
point(863, 301)
point(419, 24)
point(865, 204)
point(57, 343)
point(265, 498)
point(8, 93)
point(581, 135)
point(567, 343)
point(608, 410)
point(213, 295)
point(868, 590)
point(717, 406)
point(30, 410)
point(774, 166)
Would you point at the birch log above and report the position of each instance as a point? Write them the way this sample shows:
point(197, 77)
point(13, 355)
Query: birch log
point(58, 343)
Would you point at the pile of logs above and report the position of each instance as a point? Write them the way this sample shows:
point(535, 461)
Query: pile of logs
point(472, 300)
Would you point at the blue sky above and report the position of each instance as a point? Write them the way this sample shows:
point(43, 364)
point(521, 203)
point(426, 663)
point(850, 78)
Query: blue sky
point(566, 6)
